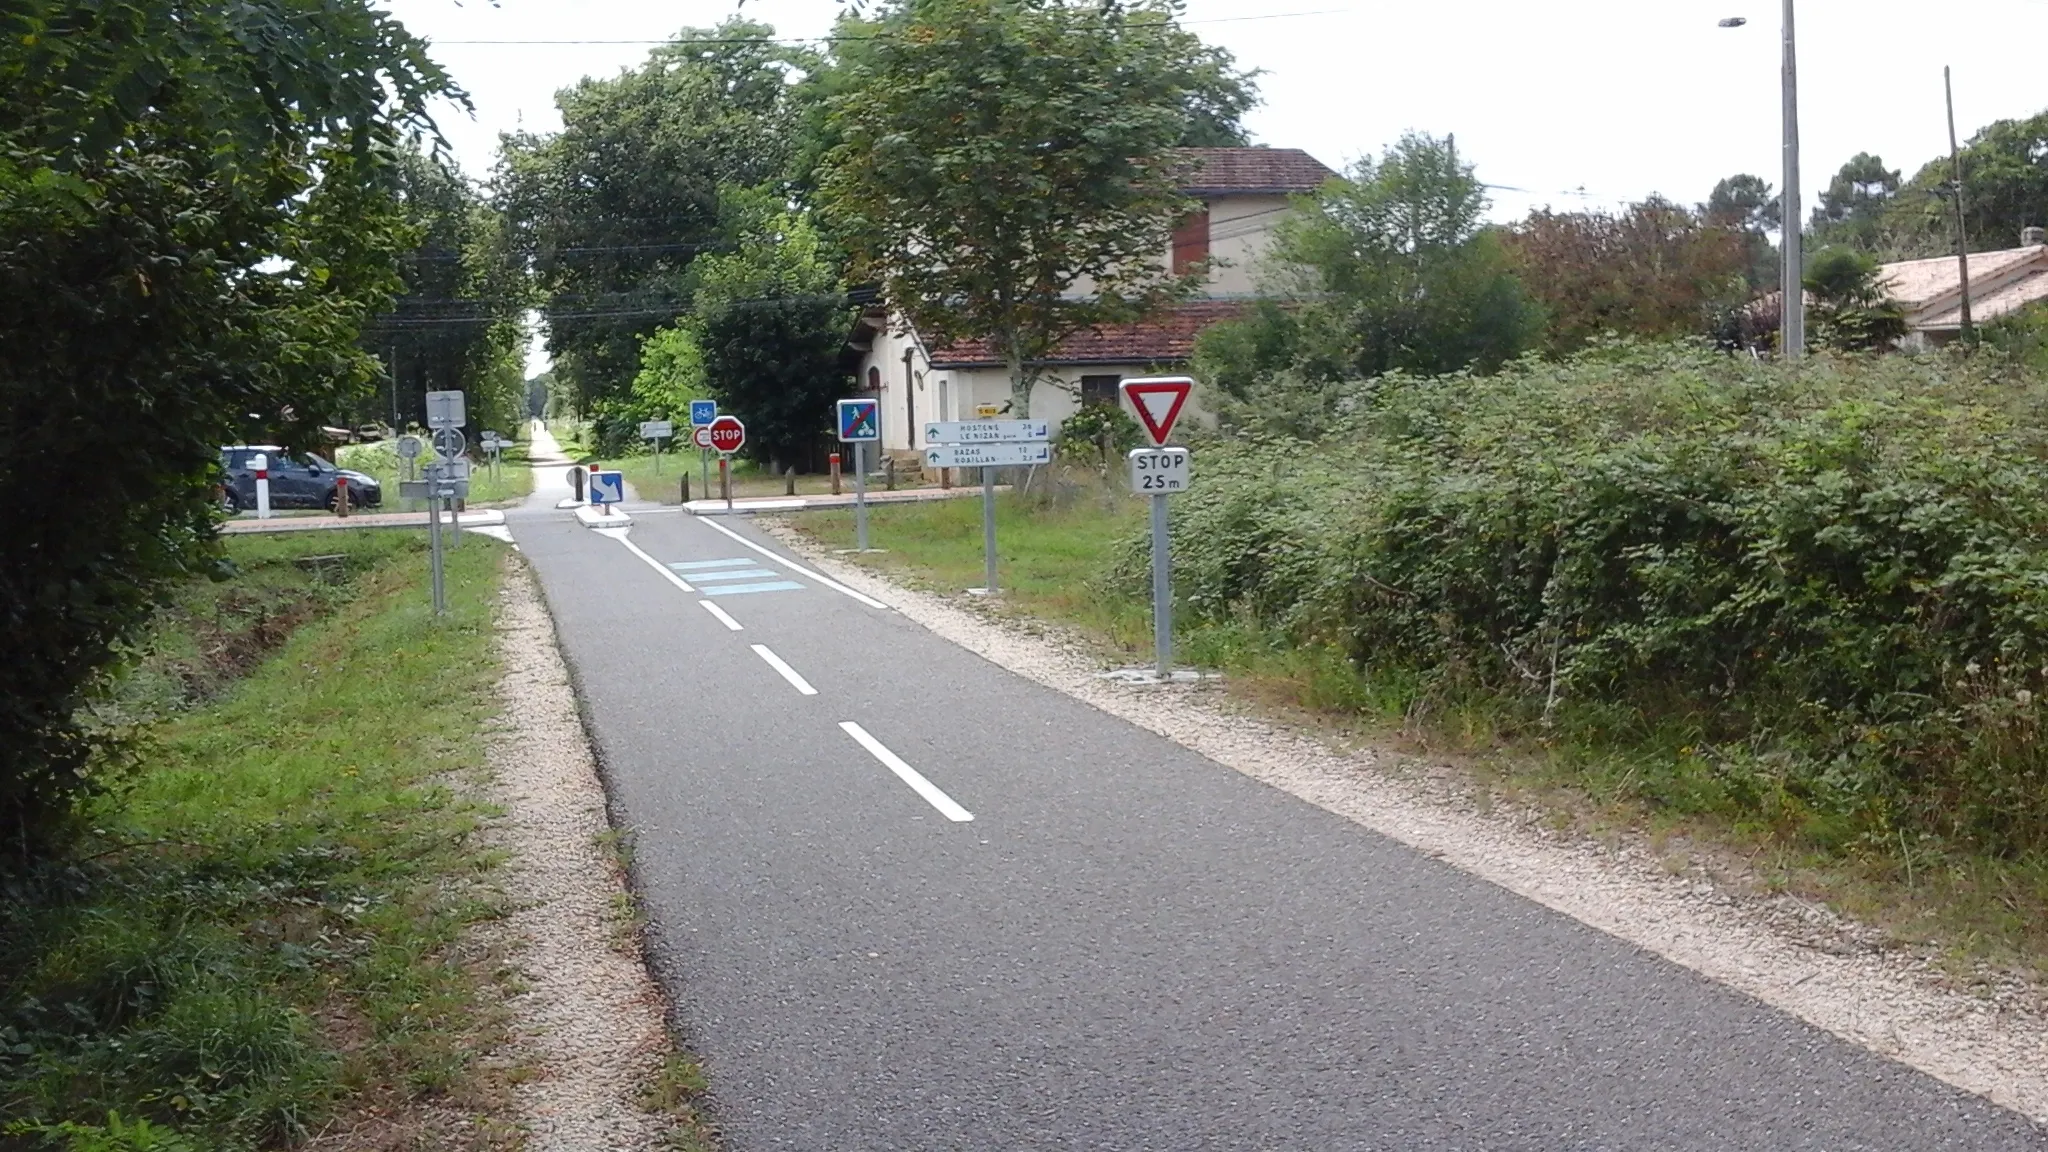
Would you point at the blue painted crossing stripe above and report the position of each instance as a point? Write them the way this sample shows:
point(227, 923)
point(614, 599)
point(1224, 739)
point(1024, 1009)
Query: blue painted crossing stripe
point(743, 589)
point(696, 565)
point(732, 574)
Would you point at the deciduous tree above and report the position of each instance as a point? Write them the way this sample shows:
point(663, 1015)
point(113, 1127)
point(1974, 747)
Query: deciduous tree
point(1390, 268)
point(768, 323)
point(1003, 167)
point(194, 222)
point(1654, 269)
point(610, 211)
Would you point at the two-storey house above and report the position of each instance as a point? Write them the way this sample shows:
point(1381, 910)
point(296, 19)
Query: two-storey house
point(1244, 193)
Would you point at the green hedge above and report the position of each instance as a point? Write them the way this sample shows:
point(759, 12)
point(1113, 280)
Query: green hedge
point(1830, 581)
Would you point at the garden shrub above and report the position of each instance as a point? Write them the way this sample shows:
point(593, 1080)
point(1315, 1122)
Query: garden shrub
point(1830, 575)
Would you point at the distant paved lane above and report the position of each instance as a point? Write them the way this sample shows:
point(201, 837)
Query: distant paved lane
point(1126, 946)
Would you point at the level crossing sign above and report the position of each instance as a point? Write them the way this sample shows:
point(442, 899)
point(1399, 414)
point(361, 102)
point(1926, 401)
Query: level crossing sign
point(860, 421)
point(1158, 401)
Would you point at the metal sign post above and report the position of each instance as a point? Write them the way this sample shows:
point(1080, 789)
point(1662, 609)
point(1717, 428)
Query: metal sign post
point(408, 449)
point(987, 445)
point(657, 431)
point(436, 476)
point(1156, 472)
point(988, 531)
point(860, 424)
point(727, 436)
point(702, 413)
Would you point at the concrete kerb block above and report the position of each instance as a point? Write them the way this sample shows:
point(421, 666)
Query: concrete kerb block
point(592, 516)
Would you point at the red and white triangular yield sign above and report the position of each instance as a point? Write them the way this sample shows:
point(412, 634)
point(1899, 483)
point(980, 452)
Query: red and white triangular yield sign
point(1158, 401)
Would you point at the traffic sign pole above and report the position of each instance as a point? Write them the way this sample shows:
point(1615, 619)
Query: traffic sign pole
point(1162, 590)
point(434, 540)
point(988, 528)
point(860, 423)
point(1158, 401)
point(860, 495)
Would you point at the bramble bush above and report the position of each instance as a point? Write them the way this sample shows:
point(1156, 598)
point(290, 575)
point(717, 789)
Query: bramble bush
point(1824, 586)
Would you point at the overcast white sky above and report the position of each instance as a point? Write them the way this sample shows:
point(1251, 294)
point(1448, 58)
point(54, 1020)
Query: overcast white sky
point(1618, 98)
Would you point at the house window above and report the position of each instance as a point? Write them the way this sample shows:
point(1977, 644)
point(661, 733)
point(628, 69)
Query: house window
point(1099, 390)
point(1191, 242)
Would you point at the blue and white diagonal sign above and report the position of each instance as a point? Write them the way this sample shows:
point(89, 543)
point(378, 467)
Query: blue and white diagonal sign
point(607, 487)
point(860, 420)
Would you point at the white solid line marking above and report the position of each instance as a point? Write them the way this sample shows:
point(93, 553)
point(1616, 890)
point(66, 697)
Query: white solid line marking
point(802, 685)
point(657, 565)
point(911, 776)
point(793, 566)
point(724, 619)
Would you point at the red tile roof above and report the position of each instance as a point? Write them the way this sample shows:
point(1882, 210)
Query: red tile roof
point(1250, 171)
point(1164, 339)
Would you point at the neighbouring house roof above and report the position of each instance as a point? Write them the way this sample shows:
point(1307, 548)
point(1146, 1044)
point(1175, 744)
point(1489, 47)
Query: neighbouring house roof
point(2000, 282)
point(1165, 339)
point(1251, 171)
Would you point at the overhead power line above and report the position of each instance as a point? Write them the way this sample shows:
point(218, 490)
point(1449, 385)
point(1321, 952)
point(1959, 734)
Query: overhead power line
point(842, 37)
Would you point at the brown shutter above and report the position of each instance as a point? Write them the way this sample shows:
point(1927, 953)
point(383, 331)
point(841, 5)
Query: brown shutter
point(1191, 242)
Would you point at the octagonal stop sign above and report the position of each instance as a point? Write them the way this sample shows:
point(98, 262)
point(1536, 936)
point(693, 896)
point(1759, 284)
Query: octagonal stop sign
point(727, 434)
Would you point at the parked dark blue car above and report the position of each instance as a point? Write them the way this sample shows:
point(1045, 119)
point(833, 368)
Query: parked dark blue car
point(302, 481)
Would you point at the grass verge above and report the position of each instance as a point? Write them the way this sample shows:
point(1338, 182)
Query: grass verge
point(1055, 550)
point(512, 482)
point(263, 942)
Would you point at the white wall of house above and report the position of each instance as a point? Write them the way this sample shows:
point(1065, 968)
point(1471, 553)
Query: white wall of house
point(903, 391)
point(1053, 398)
point(1240, 234)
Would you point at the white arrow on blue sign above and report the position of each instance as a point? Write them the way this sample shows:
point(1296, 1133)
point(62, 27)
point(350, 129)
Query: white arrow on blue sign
point(607, 487)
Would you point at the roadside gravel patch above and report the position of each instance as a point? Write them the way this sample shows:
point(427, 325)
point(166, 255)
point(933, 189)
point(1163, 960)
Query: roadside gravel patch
point(1796, 956)
point(589, 1019)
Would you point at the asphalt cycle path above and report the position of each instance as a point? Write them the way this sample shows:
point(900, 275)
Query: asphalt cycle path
point(905, 899)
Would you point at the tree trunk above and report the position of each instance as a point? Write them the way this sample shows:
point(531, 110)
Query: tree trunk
point(1020, 388)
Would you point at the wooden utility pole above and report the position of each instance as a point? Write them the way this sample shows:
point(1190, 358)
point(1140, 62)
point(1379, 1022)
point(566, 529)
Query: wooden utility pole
point(1955, 155)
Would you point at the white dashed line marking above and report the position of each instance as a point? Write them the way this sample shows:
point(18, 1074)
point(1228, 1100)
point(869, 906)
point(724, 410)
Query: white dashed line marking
point(776, 662)
point(945, 804)
point(724, 619)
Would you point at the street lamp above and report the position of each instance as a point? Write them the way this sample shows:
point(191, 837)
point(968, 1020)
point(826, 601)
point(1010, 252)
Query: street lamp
point(1791, 292)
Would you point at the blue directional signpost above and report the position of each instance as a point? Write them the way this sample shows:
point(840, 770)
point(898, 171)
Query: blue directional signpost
point(607, 489)
point(860, 424)
point(702, 413)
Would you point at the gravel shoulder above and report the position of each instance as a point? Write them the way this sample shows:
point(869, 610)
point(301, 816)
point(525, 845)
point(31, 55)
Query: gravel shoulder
point(1990, 1038)
point(588, 1019)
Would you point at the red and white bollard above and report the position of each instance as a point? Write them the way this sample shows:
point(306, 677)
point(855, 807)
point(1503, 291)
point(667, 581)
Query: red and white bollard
point(834, 461)
point(260, 465)
point(341, 496)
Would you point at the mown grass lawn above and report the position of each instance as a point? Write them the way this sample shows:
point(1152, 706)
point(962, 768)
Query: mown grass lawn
point(513, 480)
point(262, 937)
point(1052, 552)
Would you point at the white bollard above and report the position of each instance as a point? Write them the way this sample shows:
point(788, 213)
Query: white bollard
point(260, 464)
